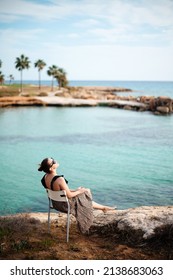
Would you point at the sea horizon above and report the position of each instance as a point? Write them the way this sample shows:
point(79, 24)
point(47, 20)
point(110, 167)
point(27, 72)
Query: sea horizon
point(70, 82)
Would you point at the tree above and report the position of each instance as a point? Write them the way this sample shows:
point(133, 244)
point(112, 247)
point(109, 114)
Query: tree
point(52, 71)
point(22, 63)
point(1, 75)
point(61, 77)
point(40, 64)
point(1, 78)
point(11, 78)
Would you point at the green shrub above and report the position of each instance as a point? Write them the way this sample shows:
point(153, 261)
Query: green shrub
point(43, 94)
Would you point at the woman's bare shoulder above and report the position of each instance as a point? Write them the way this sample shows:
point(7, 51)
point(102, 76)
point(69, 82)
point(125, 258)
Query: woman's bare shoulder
point(60, 180)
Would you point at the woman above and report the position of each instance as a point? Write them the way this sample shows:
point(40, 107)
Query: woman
point(80, 200)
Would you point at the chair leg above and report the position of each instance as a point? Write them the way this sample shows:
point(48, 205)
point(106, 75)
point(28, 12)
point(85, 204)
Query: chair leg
point(49, 218)
point(49, 222)
point(68, 224)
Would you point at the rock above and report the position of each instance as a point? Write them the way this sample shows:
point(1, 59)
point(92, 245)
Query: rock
point(134, 224)
point(142, 109)
point(157, 113)
point(139, 223)
point(146, 99)
point(162, 109)
point(20, 101)
point(127, 107)
point(111, 97)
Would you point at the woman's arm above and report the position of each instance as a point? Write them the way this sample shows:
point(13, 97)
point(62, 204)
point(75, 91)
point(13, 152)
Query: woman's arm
point(61, 184)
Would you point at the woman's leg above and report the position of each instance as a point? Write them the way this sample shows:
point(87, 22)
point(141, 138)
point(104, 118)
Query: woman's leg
point(104, 208)
point(98, 206)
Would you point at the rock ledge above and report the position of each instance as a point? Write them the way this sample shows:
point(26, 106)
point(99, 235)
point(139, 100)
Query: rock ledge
point(141, 223)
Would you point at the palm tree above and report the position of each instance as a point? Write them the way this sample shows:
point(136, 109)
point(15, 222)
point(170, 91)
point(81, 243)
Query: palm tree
point(22, 63)
point(52, 71)
point(61, 78)
point(1, 78)
point(40, 64)
point(11, 78)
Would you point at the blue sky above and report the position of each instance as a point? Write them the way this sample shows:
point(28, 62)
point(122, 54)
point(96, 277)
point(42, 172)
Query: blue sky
point(90, 39)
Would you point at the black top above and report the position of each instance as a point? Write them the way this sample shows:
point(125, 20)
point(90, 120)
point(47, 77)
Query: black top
point(53, 180)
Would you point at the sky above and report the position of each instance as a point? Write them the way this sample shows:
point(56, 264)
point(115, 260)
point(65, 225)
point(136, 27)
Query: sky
point(89, 39)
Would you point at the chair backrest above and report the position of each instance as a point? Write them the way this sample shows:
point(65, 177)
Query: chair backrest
point(57, 195)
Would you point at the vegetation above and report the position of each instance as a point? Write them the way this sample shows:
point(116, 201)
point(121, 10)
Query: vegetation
point(11, 78)
point(52, 71)
point(22, 63)
point(28, 90)
point(61, 78)
point(1, 74)
point(1, 78)
point(40, 64)
point(59, 74)
point(23, 237)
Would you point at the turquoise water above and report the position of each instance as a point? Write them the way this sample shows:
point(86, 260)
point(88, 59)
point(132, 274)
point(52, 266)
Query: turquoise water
point(125, 157)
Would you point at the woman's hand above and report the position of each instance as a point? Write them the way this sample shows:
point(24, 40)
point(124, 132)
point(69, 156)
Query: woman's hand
point(82, 189)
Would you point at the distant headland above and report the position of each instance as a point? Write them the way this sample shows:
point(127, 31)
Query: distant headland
point(85, 96)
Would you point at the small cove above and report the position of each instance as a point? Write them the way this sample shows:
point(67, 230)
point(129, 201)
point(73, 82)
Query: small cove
point(125, 157)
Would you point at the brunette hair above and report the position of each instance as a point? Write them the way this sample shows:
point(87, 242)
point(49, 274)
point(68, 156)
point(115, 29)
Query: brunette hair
point(44, 166)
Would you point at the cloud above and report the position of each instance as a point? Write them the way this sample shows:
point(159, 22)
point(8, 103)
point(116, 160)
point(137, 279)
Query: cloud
point(113, 17)
point(152, 12)
point(87, 23)
point(16, 38)
point(88, 36)
point(73, 35)
point(18, 9)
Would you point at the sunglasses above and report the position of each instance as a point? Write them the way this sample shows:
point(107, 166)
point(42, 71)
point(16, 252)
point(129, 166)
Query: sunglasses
point(53, 162)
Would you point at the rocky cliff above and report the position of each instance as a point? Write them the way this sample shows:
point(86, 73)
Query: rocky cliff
point(133, 224)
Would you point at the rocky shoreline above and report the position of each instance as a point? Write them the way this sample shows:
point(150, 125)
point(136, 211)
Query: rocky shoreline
point(94, 96)
point(139, 224)
point(142, 233)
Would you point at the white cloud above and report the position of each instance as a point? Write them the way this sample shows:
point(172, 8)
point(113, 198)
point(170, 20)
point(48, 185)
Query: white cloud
point(126, 35)
point(151, 12)
point(10, 10)
point(15, 37)
point(73, 35)
point(95, 39)
point(87, 23)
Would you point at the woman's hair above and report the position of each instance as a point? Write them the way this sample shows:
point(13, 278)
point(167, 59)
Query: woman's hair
point(44, 166)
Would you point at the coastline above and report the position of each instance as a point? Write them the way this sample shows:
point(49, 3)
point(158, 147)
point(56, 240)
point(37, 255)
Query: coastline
point(144, 221)
point(91, 96)
point(135, 233)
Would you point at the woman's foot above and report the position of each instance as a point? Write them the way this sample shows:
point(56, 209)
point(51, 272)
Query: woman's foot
point(107, 208)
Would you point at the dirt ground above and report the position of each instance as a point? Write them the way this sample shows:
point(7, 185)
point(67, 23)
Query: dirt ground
point(28, 239)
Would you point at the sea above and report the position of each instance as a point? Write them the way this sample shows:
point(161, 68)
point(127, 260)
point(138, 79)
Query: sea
point(124, 157)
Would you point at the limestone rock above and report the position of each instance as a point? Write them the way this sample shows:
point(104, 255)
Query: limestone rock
point(137, 224)
point(140, 223)
point(163, 109)
point(127, 107)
